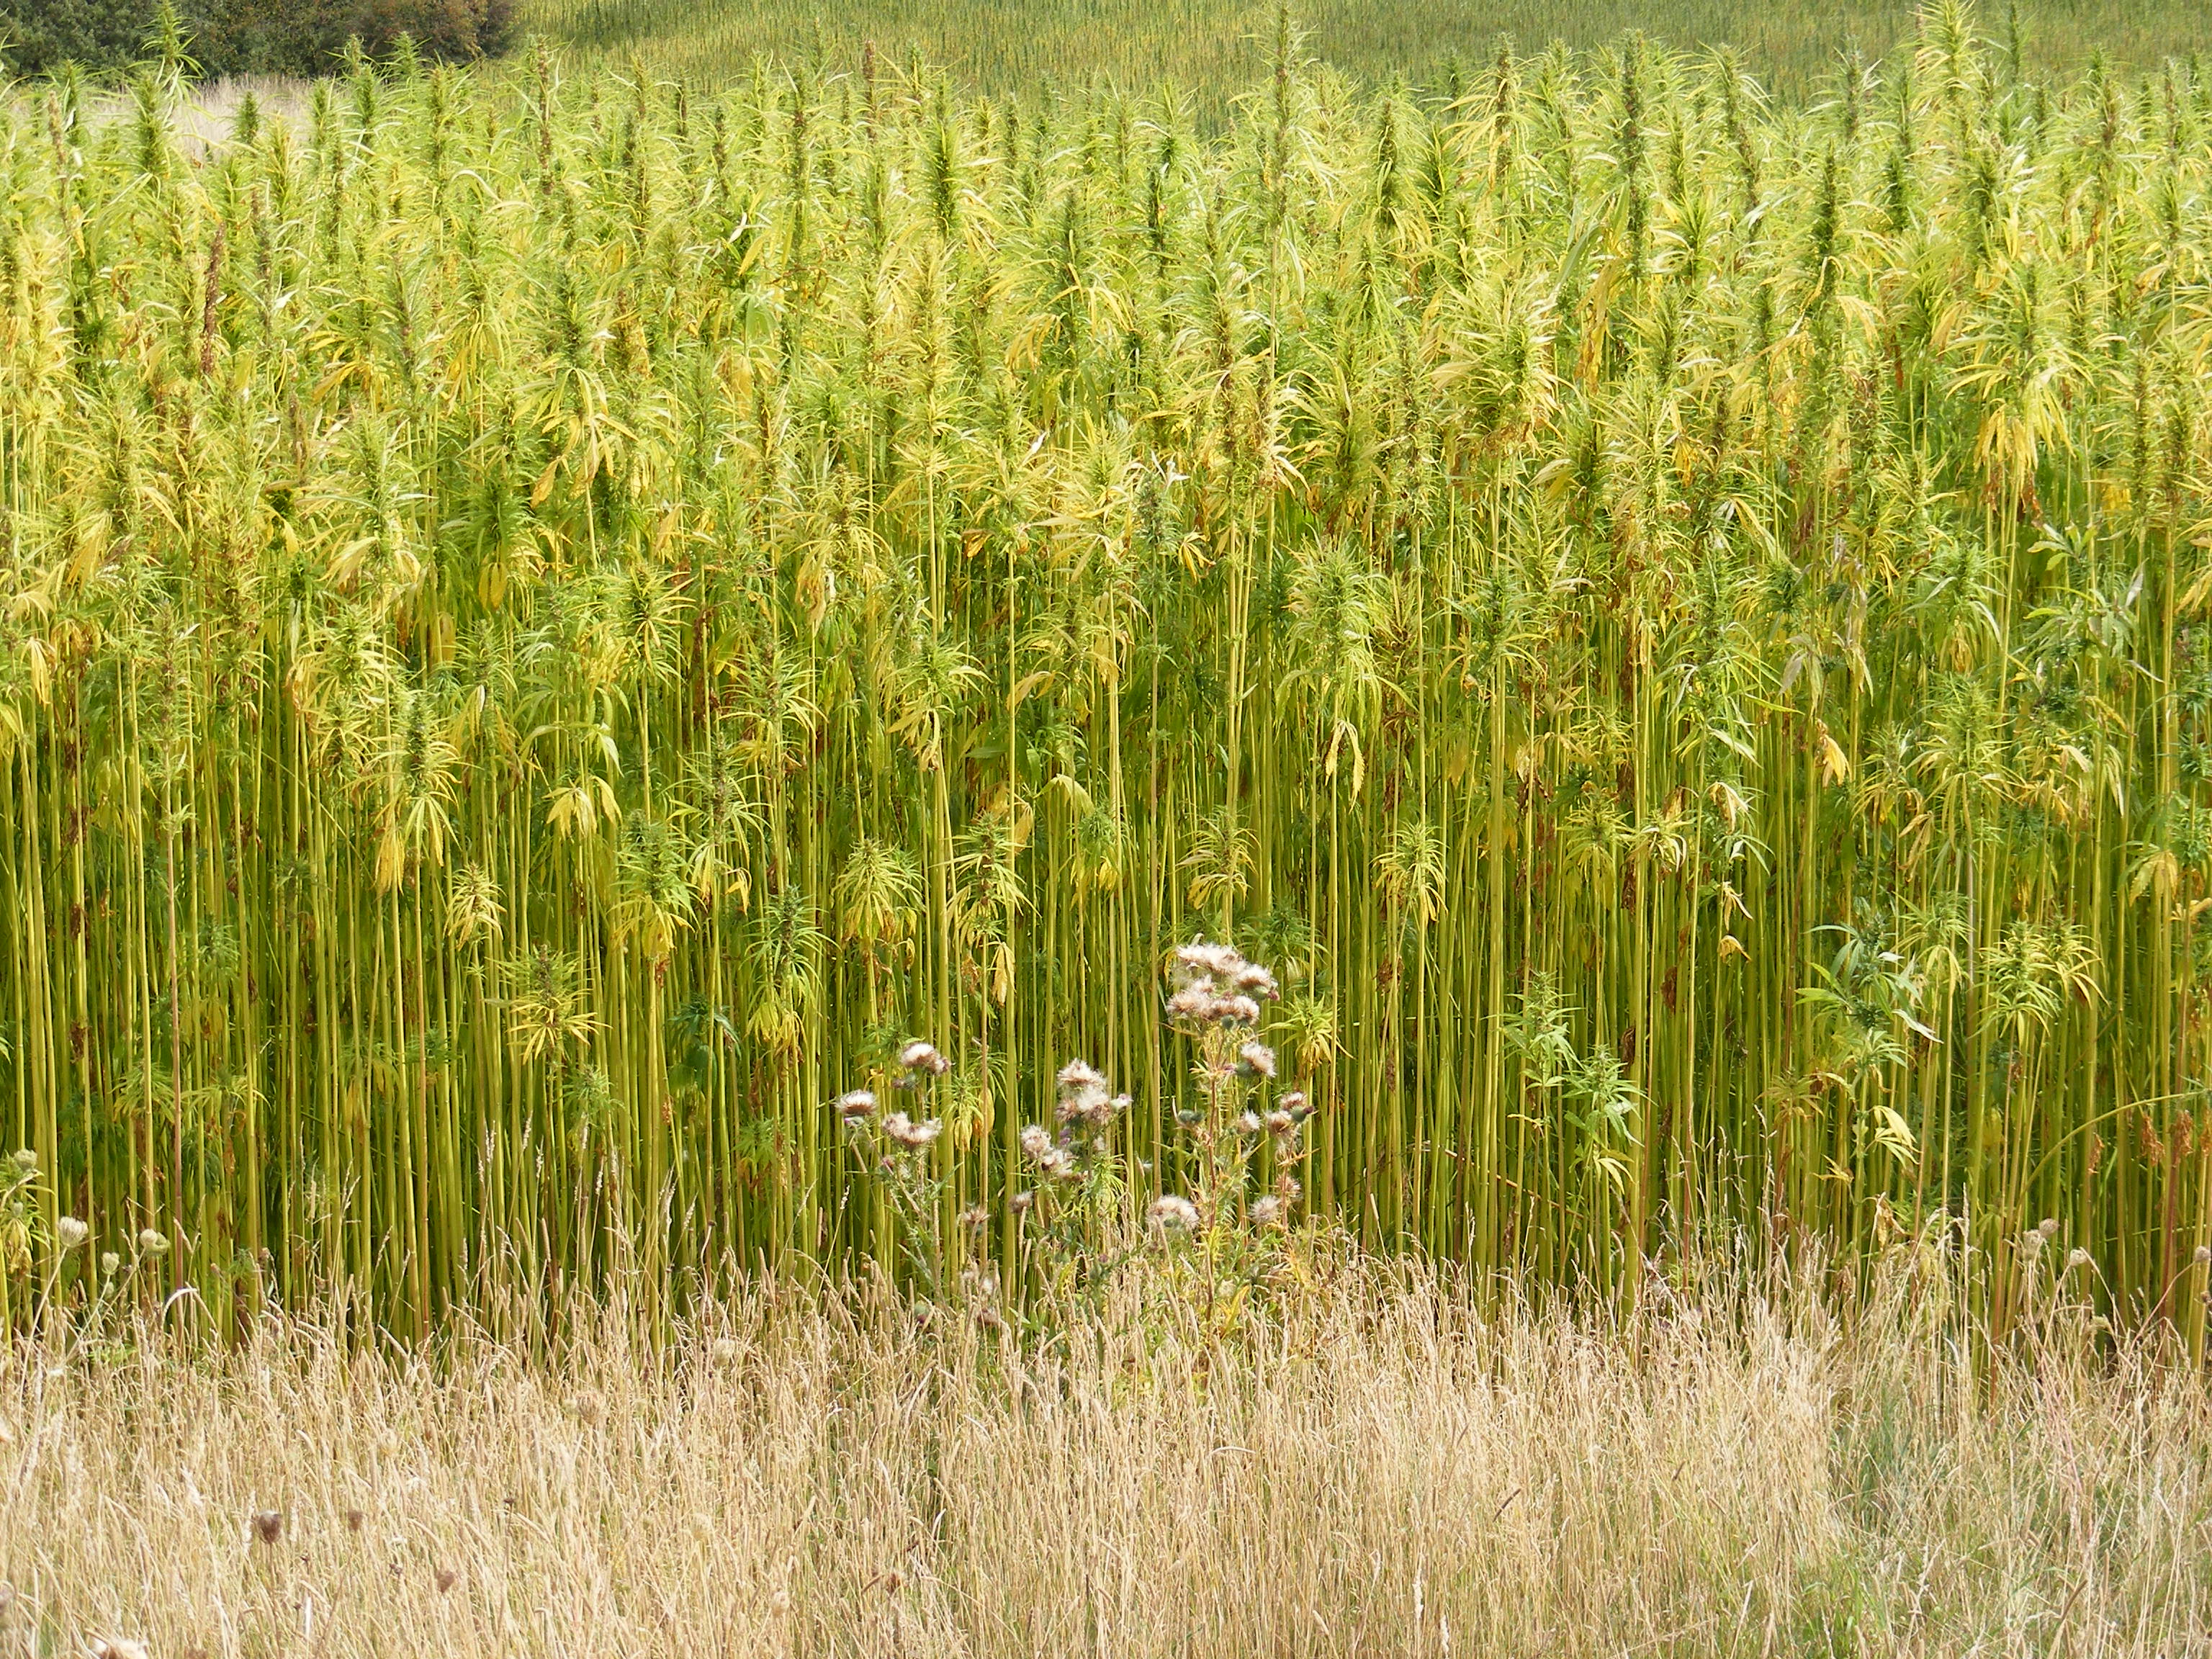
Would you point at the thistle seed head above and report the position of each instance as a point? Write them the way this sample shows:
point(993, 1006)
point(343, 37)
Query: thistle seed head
point(1212, 961)
point(1268, 1211)
point(1191, 1003)
point(923, 1060)
point(1260, 1058)
point(905, 1131)
point(69, 1233)
point(153, 1242)
point(1079, 1077)
point(1172, 1213)
point(855, 1104)
point(1254, 980)
point(268, 1525)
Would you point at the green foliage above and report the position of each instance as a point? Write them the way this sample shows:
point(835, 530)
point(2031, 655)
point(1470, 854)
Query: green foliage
point(247, 36)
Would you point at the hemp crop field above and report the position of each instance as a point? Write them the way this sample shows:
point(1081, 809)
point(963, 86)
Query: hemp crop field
point(549, 623)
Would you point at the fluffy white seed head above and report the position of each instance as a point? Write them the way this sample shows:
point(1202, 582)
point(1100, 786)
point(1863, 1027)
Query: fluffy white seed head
point(1174, 1213)
point(923, 1059)
point(905, 1131)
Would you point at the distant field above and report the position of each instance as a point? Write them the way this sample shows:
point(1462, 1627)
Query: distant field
point(1211, 47)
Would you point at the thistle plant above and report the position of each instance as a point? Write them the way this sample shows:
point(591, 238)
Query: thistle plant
point(1073, 1218)
point(893, 1143)
point(1245, 1137)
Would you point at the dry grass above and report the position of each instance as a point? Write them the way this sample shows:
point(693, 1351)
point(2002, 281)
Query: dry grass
point(1376, 1470)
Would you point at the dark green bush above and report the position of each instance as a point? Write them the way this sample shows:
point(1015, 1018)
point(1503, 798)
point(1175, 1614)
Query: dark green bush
point(243, 37)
